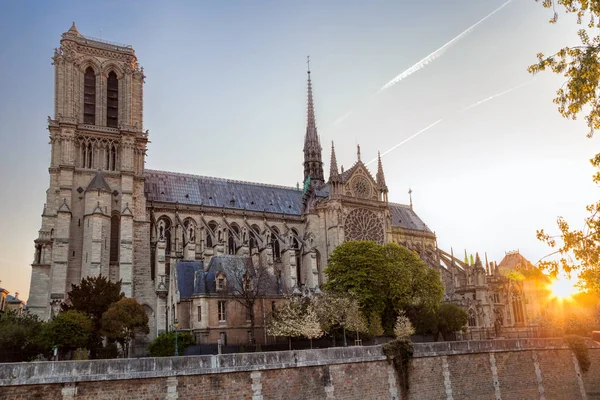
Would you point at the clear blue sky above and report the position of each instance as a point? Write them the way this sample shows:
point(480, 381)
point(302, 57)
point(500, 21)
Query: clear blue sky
point(225, 96)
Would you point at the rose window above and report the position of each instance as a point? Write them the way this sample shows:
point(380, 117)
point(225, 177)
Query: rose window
point(363, 224)
point(361, 187)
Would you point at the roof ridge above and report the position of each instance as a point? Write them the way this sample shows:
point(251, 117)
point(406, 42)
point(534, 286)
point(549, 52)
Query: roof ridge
point(398, 204)
point(220, 179)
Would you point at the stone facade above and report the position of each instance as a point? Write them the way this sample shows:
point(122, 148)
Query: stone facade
point(93, 209)
point(105, 214)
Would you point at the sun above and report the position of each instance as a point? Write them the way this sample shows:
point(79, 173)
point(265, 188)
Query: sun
point(564, 287)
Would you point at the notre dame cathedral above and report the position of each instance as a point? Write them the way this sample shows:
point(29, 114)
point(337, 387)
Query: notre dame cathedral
point(157, 230)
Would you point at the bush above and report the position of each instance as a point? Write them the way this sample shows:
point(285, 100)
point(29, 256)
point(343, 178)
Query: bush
point(451, 318)
point(164, 344)
point(399, 353)
point(403, 328)
point(375, 328)
point(581, 351)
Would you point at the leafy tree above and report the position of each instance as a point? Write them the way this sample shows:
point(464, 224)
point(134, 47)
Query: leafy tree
point(580, 67)
point(19, 337)
point(403, 328)
point(68, 330)
point(295, 318)
point(123, 320)
point(375, 328)
point(164, 344)
point(336, 311)
point(425, 322)
point(450, 318)
point(385, 279)
point(359, 268)
point(93, 296)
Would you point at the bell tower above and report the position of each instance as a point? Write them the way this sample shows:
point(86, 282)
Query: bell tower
point(96, 193)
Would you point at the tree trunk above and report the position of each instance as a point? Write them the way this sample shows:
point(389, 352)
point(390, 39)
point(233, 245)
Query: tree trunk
point(290, 342)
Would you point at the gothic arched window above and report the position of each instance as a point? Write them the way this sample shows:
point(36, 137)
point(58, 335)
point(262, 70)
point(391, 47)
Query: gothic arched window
point(472, 318)
point(230, 243)
point(518, 309)
point(88, 156)
point(212, 225)
point(113, 158)
point(89, 97)
point(165, 223)
point(112, 100)
point(275, 243)
point(254, 234)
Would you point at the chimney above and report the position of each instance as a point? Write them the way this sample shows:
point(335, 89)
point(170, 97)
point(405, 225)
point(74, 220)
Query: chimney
point(16, 295)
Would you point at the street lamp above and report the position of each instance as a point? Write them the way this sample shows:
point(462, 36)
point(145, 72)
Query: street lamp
point(175, 325)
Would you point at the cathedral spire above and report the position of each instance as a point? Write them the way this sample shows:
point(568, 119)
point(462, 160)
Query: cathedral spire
point(477, 260)
point(333, 169)
point(380, 176)
point(313, 164)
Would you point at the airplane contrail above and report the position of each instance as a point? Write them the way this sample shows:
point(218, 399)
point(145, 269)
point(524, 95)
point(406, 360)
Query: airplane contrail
point(406, 140)
point(431, 57)
point(340, 119)
point(494, 96)
point(440, 120)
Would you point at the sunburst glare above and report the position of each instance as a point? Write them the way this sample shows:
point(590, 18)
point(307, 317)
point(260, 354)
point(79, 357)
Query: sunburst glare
point(564, 287)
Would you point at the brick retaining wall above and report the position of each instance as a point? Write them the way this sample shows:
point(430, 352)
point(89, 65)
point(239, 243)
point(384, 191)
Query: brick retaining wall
point(499, 369)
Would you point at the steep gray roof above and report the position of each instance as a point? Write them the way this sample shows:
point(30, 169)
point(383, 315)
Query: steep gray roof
point(13, 299)
point(193, 280)
point(404, 217)
point(187, 274)
point(172, 187)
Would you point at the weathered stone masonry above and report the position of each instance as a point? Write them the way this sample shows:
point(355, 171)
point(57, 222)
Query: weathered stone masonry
point(502, 369)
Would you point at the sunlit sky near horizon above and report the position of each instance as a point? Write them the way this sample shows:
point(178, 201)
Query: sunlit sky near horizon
point(225, 96)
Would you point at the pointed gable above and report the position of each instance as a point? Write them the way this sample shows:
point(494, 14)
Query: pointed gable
point(358, 182)
point(98, 183)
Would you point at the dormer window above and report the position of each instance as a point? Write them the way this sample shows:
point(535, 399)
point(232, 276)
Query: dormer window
point(248, 284)
point(220, 282)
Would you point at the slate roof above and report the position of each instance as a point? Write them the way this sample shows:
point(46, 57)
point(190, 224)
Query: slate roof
point(13, 300)
point(187, 272)
point(192, 280)
point(405, 217)
point(514, 260)
point(173, 187)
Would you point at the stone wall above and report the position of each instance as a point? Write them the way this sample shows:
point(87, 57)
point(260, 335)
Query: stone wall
point(502, 369)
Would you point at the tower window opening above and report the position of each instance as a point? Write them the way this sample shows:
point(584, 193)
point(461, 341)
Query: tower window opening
point(88, 156)
point(89, 97)
point(113, 158)
point(115, 229)
point(112, 100)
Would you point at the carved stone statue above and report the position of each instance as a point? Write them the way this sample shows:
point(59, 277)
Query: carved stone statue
point(161, 230)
